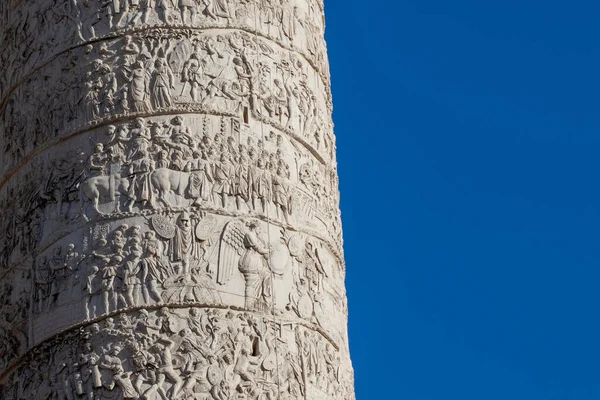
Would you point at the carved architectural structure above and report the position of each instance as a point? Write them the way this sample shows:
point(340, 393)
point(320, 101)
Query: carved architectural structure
point(169, 221)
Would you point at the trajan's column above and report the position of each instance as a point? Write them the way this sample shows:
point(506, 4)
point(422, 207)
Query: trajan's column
point(169, 221)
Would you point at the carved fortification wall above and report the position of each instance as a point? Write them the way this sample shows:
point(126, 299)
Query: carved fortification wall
point(169, 221)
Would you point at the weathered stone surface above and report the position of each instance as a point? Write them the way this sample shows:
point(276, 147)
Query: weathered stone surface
point(169, 221)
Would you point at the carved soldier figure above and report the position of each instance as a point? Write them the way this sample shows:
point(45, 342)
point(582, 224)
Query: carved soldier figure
point(163, 8)
point(260, 182)
point(163, 349)
point(131, 269)
point(90, 377)
point(241, 186)
point(188, 7)
point(153, 269)
point(109, 272)
point(224, 173)
point(121, 378)
point(72, 261)
point(118, 141)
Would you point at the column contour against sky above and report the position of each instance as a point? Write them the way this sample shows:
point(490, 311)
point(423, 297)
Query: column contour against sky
point(169, 204)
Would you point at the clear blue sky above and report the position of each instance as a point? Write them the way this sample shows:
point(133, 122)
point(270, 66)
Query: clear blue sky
point(468, 148)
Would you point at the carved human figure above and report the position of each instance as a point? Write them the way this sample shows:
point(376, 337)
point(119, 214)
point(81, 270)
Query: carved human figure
point(188, 8)
point(282, 193)
point(59, 182)
point(260, 182)
point(140, 137)
point(97, 161)
point(139, 90)
point(200, 178)
point(60, 273)
point(90, 377)
point(192, 74)
point(253, 265)
point(241, 185)
point(183, 247)
point(163, 349)
point(190, 348)
point(122, 379)
point(181, 137)
point(153, 269)
point(163, 8)
point(224, 173)
point(118, 141)
point(90, 285)
point(42, 282)
point(140, 170)
point(144, 364)
point(131, 271)
point(216, 8)
point(295, 117)
point(163, 82)
point(109, 271)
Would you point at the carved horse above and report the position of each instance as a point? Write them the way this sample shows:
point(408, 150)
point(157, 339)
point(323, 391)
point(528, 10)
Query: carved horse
point(165, 180)
point(96, 187)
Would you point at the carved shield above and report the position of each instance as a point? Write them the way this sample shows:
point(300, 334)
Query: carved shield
point(178, 361)
point(214, 375)
point(163, 226)
point(172, 324)
point(279, 259)
point(305, 307)
point(269, 363)
point(296, 245)
point(206, 227)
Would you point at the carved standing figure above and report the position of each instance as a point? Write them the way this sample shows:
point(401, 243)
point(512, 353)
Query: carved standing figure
point(163, 82)
point(253, 265)
point(153, 269)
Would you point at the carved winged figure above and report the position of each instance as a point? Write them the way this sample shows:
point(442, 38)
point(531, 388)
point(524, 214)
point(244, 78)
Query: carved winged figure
point(243, 245)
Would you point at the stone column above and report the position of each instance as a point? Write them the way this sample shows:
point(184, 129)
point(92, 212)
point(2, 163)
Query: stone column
point(169, 221)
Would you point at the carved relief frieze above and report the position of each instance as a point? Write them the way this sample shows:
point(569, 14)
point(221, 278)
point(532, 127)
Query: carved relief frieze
point(169, 205)
point(184, 353)
point(187, 257)
point(36, 32)
point(230, 74)
point(147, 165)
point(15, 306)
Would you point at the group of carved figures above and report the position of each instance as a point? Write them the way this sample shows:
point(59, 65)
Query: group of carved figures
point(14, 317)
point(206, 354)
point(217, 74)
point(51, 27)
point(151, 162)
point(168, 264)
point(223, 72)
point(45, 191)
